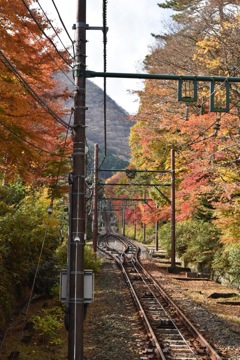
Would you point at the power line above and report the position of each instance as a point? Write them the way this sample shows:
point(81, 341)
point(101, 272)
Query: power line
point(28, 142)
point(44, 33)
point(105, 70)
point(204, 139)
point(8, 64)
point(55, 31)
point(43, 47)
point(62, 156)
point(59, 16)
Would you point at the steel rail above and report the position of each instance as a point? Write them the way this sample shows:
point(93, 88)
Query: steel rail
point(131, 252)
point(150, 331)
point(161, 306)
point(195, 332)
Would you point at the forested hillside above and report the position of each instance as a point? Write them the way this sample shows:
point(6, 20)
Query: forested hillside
point(202, 39)
point(118, 126)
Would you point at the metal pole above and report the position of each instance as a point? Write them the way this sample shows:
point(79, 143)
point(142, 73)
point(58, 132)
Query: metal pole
point(156, 235)
point(135, 223)
point(77, 238)
point(123, 221)
point(95, 199)
point(173, 220)
point(144, 225)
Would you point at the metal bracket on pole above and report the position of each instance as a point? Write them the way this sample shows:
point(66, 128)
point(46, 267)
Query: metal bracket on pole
point(87, 27)
point(223, 87)
point(187, 90)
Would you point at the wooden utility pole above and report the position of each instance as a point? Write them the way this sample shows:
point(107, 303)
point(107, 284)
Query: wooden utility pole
point(173, 220)
point(95, 199)
point(77, 236)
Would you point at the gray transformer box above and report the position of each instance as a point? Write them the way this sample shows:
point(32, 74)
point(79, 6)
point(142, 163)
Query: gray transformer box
point(88, 286)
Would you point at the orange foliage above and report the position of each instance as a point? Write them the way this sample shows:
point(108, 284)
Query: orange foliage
point(29, 134)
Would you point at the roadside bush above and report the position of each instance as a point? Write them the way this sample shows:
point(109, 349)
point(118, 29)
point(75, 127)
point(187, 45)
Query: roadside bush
point(91, 261)
point(226, 264)
point(47, 325)
point(196, 242)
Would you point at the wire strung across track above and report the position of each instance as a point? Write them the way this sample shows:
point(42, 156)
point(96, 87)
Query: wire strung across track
point(172, 334)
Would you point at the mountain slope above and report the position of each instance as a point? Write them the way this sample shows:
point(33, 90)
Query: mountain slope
point(118, 127)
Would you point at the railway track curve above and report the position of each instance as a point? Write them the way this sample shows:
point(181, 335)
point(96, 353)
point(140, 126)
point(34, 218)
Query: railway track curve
point(171, 334)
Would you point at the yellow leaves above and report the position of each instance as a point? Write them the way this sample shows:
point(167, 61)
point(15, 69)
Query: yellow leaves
point(209, 43)
point(206, 52)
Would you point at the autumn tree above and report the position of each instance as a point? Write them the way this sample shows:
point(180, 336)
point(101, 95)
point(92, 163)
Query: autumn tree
point(30, 136)
point(201, 40)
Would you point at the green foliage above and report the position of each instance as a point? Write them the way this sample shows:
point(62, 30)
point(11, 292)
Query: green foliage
point(47, 324)
point(24, 229)
point(47, 277)
point(168, 4)
point(91, 261)
point(226, 262)
point(14, 192)
point(196, 242)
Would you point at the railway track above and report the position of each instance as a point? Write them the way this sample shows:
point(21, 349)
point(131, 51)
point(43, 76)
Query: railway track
point(171, 334)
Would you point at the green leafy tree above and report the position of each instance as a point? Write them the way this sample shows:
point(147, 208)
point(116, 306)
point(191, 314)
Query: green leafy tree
point(226, 263)
point(196, 242)
point(26, 231)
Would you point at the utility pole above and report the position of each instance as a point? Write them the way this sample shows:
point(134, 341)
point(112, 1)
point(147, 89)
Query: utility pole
point(173, 220)
point(135, 223)
point(123, 220)
point(144, 225)
point(95, 199)
point(77, 236)
point(156, 234)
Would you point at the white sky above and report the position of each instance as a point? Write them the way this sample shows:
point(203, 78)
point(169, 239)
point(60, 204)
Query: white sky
point(130, 24)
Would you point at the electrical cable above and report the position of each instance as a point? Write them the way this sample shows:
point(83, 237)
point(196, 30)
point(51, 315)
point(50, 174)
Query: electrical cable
point(38, 265)
point(64, 27)
point(27, 141)
point(46, 229)
point(196, 140)
point(43, 47)
point(44, 33)
point(62, 156)
point(9, 65)
point(53, 28)
point(218, 151)
point(104, 79)
point(105, 70)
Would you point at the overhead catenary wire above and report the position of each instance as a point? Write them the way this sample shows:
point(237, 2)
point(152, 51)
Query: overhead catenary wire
point(105, 70)
point(11, 67)
point(28, 142)
point(212, 124)
point(62, 156)
point(53, 28)
point(64, 27)
point(104, 15)
point(43, 47)
point(44, 33)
